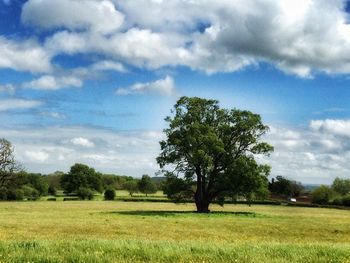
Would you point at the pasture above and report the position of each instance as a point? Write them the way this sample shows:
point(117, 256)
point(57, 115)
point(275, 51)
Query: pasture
point(112, 231)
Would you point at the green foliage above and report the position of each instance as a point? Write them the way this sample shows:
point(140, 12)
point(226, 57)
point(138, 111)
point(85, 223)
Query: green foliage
point(346, 200)
point(322, 195)
point(146, 186)
point(8, 165)
point(109, 194)
point(15, 194)
point(38, 182)
point(30, 193)
point(81, 175)
point(52, 190)
point(85, 193)
point(115, 181)
point(285, 187)
point(213, 148)
point(341, 186)
point(131, 186)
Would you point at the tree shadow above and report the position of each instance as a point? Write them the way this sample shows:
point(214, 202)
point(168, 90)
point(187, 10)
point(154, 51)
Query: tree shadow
point(165, 213)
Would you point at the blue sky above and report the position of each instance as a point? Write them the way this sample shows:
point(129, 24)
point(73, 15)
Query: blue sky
point(91, 81)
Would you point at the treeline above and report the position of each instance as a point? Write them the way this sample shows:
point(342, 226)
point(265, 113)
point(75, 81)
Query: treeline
point(336, 194)
point(81, 181)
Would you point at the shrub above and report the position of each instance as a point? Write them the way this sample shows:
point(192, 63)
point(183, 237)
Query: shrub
point(85, 193)
point(337, 201)
point(109, 194)
point(52, 190)
point(322, 195)
point(15, 194)
point(30, 193)
point(51, 199)
point(3, 193)
point(346, 200)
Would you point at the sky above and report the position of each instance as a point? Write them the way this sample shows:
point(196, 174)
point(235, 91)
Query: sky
point(91, 81)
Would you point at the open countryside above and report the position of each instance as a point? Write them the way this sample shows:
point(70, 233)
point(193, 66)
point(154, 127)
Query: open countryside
point(174, 131)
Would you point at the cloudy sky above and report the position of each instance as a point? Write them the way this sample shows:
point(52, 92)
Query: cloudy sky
point(91, 80)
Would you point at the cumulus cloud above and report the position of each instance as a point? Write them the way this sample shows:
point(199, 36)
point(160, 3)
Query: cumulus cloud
point(316, 154)
point(132, 153)
point(80, 141)
point(296, 36)
point(332, 127)
point(48, 82)
point(18, 104)
point(24, 56)
point(95, 15)
point(37, 156)
point(162, 86)
point(108, 65)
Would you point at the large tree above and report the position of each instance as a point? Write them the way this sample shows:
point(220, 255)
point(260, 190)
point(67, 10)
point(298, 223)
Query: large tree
point(210, 151)
point(8, 164)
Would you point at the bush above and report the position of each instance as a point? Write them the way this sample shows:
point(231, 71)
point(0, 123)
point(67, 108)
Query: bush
point(109, 194)
point(3, 193)
point(337, 201)
point(85, 193)
point(30, 193)
point(51, 199)
point(52, 190)
point(322, 195)
point(15, 194)
point(346, 200)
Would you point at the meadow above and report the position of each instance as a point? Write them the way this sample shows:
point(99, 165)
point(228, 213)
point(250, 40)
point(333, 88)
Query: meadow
point(114, 231)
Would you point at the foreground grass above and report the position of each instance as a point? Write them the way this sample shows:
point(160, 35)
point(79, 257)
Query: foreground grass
point(103, 231)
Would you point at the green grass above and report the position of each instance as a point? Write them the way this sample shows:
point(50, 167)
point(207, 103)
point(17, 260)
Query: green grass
point(105, 231)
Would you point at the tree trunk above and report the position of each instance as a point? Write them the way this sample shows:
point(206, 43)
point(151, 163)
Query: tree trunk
point(202, 205)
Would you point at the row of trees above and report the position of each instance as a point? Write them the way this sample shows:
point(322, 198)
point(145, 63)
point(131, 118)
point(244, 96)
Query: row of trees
point(336, 194)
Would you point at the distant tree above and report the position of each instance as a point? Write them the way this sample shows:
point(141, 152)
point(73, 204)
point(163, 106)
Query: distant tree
point(8, 165)
point(131, 186)
point(341, 186)
point(109, 194)
point(146, 186)
point(54, 179)
point(212, 151)
point(285, 187)
point(81, 176)
point(322, 195)
point(38, 182)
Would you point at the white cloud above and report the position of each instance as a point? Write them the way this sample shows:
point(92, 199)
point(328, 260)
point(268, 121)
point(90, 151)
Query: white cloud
point(8, 88)
point(80, 141)
point(17, 104)
point(162, 86)
point(95, 15)
point(24, 56)
point(54, 115)
point(37, 156)
point(48, 82)
point(298, 37)
point(316, 154)
point(333, 127)
point(108, 65)
point(132, 153)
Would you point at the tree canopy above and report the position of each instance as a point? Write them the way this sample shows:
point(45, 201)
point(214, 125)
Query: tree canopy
point(81, 176)
point(210, 151)
point(8, 164)
point(146, 185)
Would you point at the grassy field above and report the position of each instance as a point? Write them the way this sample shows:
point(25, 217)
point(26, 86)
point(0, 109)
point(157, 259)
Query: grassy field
point(101, 231)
